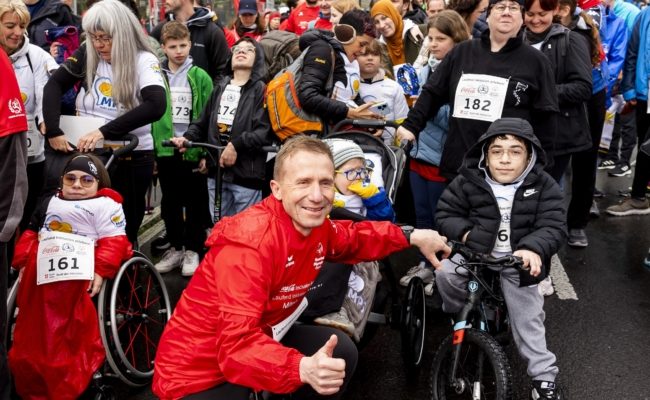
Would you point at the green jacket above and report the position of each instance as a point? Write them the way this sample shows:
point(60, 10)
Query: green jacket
point(163, 129)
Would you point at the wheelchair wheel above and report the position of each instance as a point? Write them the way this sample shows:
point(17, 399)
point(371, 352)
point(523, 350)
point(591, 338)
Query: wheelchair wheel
point(413, 318)
point(482, 372)
point(12, 314)
point(133, 311)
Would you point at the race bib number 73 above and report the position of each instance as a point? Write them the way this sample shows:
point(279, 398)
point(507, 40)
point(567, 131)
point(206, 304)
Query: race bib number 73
point(64, 257)
point(480, 97)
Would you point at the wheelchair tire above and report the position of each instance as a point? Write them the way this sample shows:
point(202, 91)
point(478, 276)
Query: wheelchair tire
point(413, 320)
point(495, 381)
point(133, 311)
point(12, 314)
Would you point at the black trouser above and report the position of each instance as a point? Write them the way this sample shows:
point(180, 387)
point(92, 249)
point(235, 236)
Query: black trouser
point(583, 165)
point(307, 339)
point(35, 180)
point(625, 133)
point(642, 168)
point(131, 178)
point(183, 188)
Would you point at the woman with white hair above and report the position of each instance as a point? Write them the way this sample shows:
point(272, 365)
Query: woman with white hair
point(121, 83)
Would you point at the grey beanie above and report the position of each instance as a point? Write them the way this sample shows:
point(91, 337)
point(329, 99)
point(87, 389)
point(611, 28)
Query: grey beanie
point(344, 150)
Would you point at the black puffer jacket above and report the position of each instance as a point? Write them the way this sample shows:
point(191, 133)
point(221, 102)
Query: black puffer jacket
point(313, 93)
point(209, 47)
point(250, 131)
point(538, 215)
point(569, 55)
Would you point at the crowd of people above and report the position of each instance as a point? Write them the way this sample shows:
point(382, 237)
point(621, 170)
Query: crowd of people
point(500, 99)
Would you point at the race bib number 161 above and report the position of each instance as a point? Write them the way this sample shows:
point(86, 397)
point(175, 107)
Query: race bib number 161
point(480, 97)
point(64, 257)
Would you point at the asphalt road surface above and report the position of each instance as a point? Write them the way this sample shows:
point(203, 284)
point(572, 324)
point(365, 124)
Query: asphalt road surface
point(598, 322)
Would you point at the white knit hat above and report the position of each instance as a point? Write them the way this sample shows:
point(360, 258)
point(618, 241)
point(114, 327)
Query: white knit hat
point(344, 150)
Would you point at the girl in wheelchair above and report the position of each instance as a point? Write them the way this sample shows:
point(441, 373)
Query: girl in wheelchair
point(357, 194)
point(75, 240)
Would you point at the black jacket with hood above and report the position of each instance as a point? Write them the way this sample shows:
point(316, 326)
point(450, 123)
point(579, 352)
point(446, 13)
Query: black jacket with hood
point(209, 47)
point(569, 55)
point(52, 14)
point(538, 214)
point(313, 93)
point(250, 130)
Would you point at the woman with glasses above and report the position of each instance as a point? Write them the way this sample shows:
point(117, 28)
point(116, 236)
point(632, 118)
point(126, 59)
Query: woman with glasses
point(486, 79)
point(121, 82)
point(57, 345)
point(31, 65)
point(235, 117)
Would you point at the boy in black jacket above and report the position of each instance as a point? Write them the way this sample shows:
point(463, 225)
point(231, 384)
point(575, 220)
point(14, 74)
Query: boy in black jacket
point(501, 203)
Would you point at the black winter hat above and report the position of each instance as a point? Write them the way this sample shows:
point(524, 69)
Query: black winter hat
point(510, 126)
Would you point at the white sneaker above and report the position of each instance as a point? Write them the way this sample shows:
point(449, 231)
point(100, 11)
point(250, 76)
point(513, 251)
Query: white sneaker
point(190, 263)
point(171, 259)
point(422, 272)
point(545, 287)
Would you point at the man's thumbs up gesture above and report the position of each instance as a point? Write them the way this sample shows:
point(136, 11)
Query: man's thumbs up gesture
point(322, 372)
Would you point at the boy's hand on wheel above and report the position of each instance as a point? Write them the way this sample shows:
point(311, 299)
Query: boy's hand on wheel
point(322, 372)
point(430, 242)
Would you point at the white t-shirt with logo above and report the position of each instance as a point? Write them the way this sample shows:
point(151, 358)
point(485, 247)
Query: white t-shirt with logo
point(99, 101)
point(94, 218)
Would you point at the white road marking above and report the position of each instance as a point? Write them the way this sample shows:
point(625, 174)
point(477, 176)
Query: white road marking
point(149, 234)
point(563, 287)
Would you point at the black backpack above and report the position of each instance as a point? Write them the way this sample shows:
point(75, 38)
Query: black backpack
point(280, 50)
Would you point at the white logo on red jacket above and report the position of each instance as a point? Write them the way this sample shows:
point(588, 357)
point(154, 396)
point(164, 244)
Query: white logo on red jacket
point(15, 106)
point(320, 257)
point(289, 261)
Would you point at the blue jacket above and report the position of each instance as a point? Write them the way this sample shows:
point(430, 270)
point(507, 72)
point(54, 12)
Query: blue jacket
point(378, 207)
point(636, 70)
point(432, 139)
point(627, 12)
point(614, 39)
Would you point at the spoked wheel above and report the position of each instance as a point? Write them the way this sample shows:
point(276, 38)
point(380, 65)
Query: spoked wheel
point(12, 314)
point(413, 319)
point(483, 371)
point(133, 311)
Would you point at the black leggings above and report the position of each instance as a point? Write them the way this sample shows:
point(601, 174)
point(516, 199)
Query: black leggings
point(642, 168)
point(131, 179)
point(307, 339)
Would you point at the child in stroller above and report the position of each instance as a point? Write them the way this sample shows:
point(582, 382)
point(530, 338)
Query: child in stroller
point(57, 345)
point(355, 192)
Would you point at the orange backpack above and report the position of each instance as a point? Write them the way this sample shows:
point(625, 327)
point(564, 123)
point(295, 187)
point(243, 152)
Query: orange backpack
point(285, 112)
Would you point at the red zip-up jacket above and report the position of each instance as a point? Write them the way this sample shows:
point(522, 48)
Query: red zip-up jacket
point(258, 269)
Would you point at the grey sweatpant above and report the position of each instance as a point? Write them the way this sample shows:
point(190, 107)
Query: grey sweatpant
point(525, 310)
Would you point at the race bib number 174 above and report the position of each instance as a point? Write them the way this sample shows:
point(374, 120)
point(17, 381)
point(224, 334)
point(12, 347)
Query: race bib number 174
point(480, 97)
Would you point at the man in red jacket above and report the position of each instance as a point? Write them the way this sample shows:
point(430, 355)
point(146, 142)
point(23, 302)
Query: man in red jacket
point(299, 18)
point(13, 187)
point(232, 330)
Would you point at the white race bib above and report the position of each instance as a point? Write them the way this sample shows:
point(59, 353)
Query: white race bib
point(35, 140)
point(64, 257)
point(181, 104)
point(228, 105)
point(480, 97)
point(281, 328)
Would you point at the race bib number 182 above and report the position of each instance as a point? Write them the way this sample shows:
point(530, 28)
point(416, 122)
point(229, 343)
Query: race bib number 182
point(480, 97)
point(64, 257)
